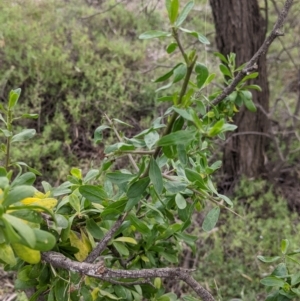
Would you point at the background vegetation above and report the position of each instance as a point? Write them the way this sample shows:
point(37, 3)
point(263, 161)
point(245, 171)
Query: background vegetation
point(73, 67)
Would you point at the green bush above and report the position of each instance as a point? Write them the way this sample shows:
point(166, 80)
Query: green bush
point(72, 70)
point(228, 257)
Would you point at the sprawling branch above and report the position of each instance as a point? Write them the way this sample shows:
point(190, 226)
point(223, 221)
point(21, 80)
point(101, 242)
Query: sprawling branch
point(98, 270)
point(252, 64)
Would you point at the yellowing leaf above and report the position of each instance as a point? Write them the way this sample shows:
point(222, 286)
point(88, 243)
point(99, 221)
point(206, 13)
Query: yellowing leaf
point(126, 239)
point(28, 255)
point(144, 258)
point(41, 195)
point(7, 254)
point(235, 109)
point(82, 244)
point(48, 203)
point(94, 293)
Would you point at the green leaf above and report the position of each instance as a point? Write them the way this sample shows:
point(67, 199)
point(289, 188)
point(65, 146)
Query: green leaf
point(202, 74)
point(216, 128)
point(154, 34)
point(27, 178)
point(221, 57)
point(24, 135)
point(180, 137)
point(180, 201)
point(23, 229)
point(166, 75)
point(226, 199)
point(272, 281)
point(284, 246)
point(119, 177)
point(225, 70)
point(179, 73)
point(18, 193)
point(7, 254)
point(151, 138)
point(45, 241)
point(211, 219)
point(253, 87)
point(172, 8)
point(6, 132)
point(138, 188)
point(139, 225)
point(93, 193)
point(171, 47)
point(175, 187)
point(164, 87)
point(169, 257)
point(200, 37)
point(30, 116)
point(250, 76)
point(249, 104)
point(94, 229)
point(76, 172)
point(184, 13)
point(13, 97)
point(131, 203)
point(156, 176)
point(98, 136)
point(28, 215)
point(268, 259)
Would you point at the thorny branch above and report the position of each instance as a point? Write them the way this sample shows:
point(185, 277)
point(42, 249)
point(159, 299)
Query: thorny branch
point(58, 260)
point(252, 64)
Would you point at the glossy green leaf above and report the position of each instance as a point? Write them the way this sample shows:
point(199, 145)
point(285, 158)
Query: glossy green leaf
point(211, 219)
point(250, 105)
point(172, 47)
point(221, 57)
point(156, 176)
point(138, 188)
point(154, 34)
point(23, 135)
point(250, 76)
point(202, 74)
point(184, 13)
point(224, 69)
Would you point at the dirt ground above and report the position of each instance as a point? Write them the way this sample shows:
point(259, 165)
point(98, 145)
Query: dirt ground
point(6, 286)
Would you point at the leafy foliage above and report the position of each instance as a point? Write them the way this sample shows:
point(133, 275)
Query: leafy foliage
point(153, 199)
